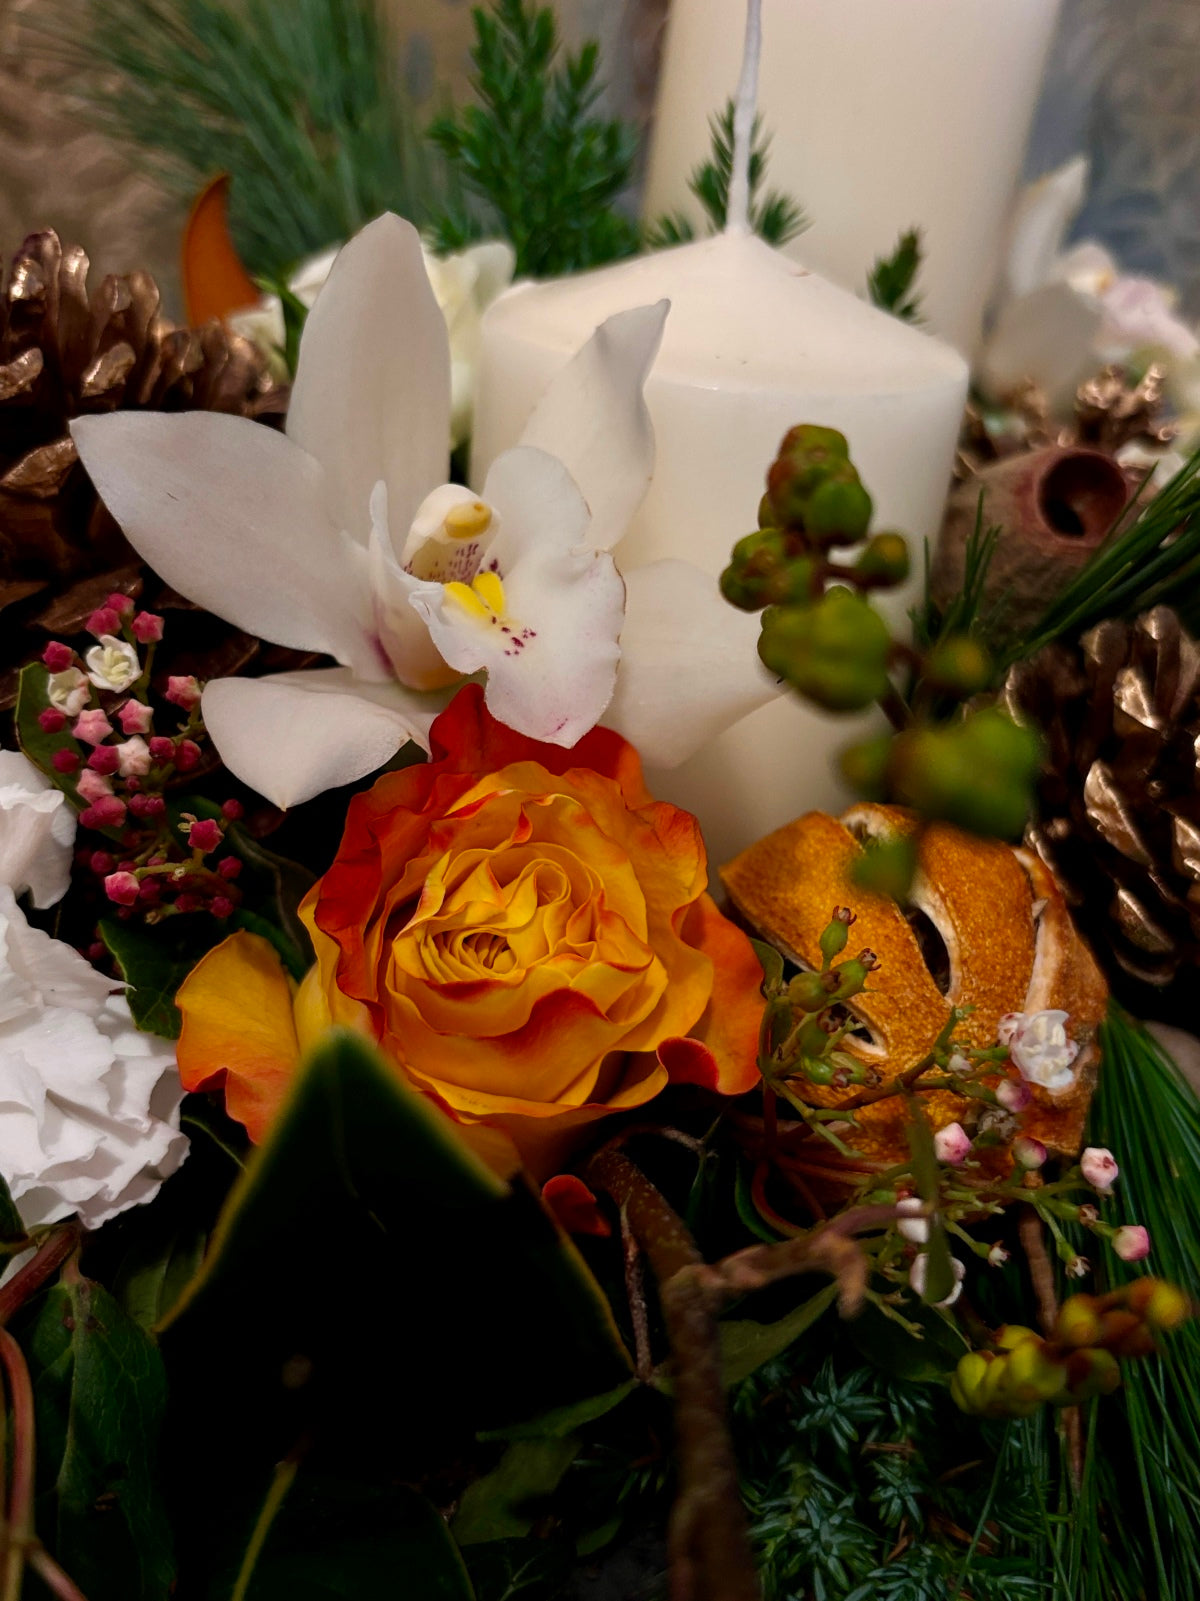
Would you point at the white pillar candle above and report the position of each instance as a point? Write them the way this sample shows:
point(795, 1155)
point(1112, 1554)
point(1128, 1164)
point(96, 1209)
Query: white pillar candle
point(883, 114)
point(753, 344)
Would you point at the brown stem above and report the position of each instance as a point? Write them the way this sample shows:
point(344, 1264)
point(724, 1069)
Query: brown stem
point(52, 1576)
point(1033, 1243)
point(828, 1248)
point(635, 1292)
point(19, 1528)
point(51, 1254)
point(894, 1086)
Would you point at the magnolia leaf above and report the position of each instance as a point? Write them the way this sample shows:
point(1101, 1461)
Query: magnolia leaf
point(505, 1502)
point(388, 1292)
point(155, 961)
point(325, 1539)
point(746, 1345)
point(100, 1394)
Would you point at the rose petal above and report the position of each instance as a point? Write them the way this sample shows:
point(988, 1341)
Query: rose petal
point(575, 1207)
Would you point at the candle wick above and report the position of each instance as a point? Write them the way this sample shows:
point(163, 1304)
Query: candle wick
point(737, 212)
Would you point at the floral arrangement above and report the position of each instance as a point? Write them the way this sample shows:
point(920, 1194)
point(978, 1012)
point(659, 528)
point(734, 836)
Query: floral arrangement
point(411, 1166)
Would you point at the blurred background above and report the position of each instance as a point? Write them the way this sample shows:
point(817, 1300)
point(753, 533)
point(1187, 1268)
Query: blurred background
point(1122, 86)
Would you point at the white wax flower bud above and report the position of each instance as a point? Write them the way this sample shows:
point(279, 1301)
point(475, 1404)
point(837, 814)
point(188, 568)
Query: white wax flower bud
point(113, 664)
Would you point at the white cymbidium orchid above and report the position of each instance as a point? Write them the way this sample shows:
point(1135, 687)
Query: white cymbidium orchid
point(341, 537)
point(1066, 311)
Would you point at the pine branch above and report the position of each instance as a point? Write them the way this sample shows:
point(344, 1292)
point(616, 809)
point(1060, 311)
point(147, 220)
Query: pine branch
point(890, 283)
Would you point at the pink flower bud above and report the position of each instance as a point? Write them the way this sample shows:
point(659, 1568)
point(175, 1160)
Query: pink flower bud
point(229, 867)
point(122, 888)
point(952, 1144)
point(105, 812)
point(102, 863)
point(93, 786)
point(1131, 1243)
point(65, 761)
point(222, 906)
point(183, 691)
point(205, 835)
point(187, 755)
point(1029, 1153)
point(232, 810)
point(187, 902)
point(104, 759)
point(147, 805)
point(147, 627)
point(57, 656)
point(162, 749)
point(52, 721)
point(1014, 1095)
point(1099, 1167)
point(104, 620)
point(135, 718)
point(92, 727)
point(133, 758)
point(150, 892)
point(121, 604)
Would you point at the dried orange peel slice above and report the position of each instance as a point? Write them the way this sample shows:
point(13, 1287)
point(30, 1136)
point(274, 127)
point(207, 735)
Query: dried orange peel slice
point(1009, 940)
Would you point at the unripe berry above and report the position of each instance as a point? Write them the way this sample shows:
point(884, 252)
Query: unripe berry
point(884, 561)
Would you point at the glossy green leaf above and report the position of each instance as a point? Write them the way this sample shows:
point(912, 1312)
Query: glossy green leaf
point(12, 1230)
point(746, 1345)
point(155, 961)
point(772, 965)
point(38, 745)
point(564, 1420)
point(505, 1502)
point(891, 1347)
point(100, 1394)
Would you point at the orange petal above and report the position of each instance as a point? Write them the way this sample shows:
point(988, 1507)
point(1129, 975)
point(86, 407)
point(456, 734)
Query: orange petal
point(214, 279)
point(239, 1029)
point(730, 1024)
point(574, 1205)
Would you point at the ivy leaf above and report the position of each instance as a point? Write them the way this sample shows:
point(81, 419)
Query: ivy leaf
point(155, 961)
point(100, 1394)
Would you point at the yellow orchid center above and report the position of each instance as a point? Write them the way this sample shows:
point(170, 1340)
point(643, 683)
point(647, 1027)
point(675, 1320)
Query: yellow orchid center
point(468, 519)
point(483, 597)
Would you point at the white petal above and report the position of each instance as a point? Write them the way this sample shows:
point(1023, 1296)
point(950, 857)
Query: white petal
point(689, 663)
point(404, 636)
point(1047, 338)
point(372, 393)
point(551, 659)
point(594, 419)
point(37, 831)
point(296, 735)
point(230, 514)
point(1043, 213)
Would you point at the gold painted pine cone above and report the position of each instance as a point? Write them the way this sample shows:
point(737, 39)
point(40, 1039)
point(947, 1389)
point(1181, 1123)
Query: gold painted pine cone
point(66, 351)
point(987, 928)
point(1118, 811)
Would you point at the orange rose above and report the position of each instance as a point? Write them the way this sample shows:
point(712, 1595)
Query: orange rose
point(522, 929)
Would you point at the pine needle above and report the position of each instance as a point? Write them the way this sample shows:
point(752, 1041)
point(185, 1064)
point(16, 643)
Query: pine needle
point(891, 281)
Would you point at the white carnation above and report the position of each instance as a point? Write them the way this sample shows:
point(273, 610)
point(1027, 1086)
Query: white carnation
point(37, 831)
point(89, 1106)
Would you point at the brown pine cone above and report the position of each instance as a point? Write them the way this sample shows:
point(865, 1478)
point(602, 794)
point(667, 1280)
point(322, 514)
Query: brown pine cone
point(1118, 811)
point(66, 353)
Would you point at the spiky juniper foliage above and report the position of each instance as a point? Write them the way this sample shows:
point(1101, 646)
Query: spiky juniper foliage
point(300, 103)
point(775, 216)
point(861, 1485)
point(544, 169)
point(891, 281)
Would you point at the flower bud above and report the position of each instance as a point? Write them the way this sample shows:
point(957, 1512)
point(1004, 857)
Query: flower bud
point(884, 561)
point(1164, 1306)
point(204, 835)
point(1014, 1095)
point(952, 1144)
point(104, 620)
point(122, 888)
point(1028, 1153)
point(183, 690)
point(835, 934)
point(1078, 1321)
point(51, 720)
point(1099, 1167)
point(92, 727)
point(1089, 1373)
point(147, 627)
point(808, 992)
point(1131, 1243)
point(1032, 1374)
point(57, 656)
point(864, 766)
point(65, 761)
point(807, 455)
point(1010, 1335)
point(913, 1222)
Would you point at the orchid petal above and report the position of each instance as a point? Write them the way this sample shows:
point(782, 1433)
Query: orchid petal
point(403, 636)
point(550, 650)
point(296, 735)
point(1042, 214)
point(217, 503)
point(593, 417)
point(689, 663)
point(371, 399)
point(1046, 338)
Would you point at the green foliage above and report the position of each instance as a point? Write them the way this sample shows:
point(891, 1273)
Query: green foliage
point(301, 103)
point(545, 166)
point(892, 280)
point(41, 747)
point(155, 961)
point(100, 1395)
point(776, 217)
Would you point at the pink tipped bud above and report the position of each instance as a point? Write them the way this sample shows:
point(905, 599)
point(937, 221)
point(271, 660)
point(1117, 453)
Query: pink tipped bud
point(105, 812)
point(229, 867)
point(133, 757)
point(187, 902)
point(147, 627)
point(94, 786)
point(135, 718)
point(222, 906)
point(1014, 1095)
point(92, 727)
point(149, 892)
point(1131, 1243)
point(104, 759)
point(1099, 1167)
point(1009, 1027)
point(183, 691)
point(57, 656)
point(205, 835)
point(147, 805)
point(952, 1144)
point(104, 620)
point(232, 810)
point(122, 888)
point(162, 749)
point(119, 603)
point(52, 721)
point(187, 755)
point(102, 863)
point(1029, 1153)
point(65, 761)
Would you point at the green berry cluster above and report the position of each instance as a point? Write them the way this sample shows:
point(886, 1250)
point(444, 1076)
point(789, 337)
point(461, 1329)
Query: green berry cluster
point(1078, 1361)
point(822, 634)
point(806, 1020)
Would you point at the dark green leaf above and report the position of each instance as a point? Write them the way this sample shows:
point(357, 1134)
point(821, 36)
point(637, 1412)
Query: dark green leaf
point(772, 965)
point(505, 1502)
point(890, 1346)
point(41, 747)
point(890, 284)
point(12, 1230)
point(564, 1420)
point(745, 1345)
point(100, 1393)
point(155, 961)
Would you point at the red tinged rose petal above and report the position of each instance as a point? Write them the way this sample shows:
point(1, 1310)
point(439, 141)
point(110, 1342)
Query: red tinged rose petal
point(574, 1206)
